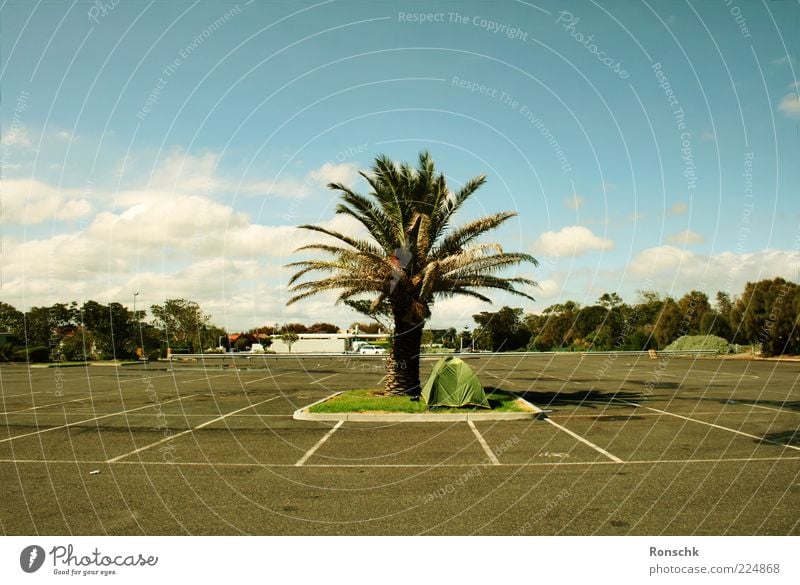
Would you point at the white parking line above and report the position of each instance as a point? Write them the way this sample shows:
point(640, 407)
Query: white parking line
point(325, 378)
point(774, 409)
point(319, 444)
point(268, 378)
point(186, 432)
point(708, 424)
point(585, 442)
point(681, 462)
point(141, 378)
point(202, 379)
point(489, 453)
point(92, 419)
point(43, 406)
point(23, 394)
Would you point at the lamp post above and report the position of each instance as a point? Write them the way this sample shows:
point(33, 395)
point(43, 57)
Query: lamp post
point(136, 316)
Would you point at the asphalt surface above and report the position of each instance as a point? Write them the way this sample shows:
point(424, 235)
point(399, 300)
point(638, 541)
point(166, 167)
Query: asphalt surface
point(629, 446)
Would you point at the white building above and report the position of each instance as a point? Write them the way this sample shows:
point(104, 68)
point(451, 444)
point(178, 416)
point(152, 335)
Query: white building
point(324, 342)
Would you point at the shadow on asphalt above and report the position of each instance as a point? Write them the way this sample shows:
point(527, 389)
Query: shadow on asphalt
point(587, 398)
point(794, 405)
point(781, 438)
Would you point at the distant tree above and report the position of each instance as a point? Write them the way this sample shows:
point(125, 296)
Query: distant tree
point(11, 320)
point(183, 322)
point(242, 344)
point(639, 340)
point(768, 313)
point(594, 324)
point(724, 304)
point(290, 338)
point(693, 305)
point(38, 328)
point(714, 323)
point(450, 338)
point(113, 328)
point(370, 328)
point(669, 324)
point(648, 307)
point(609, 301)
point(464, 339)
point(502, 330)
point(79, 346)
point(557, 330)
point(295, 328)
point(323, 328)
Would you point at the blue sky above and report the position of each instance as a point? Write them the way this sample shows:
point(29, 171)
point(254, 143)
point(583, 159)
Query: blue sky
point(171, 147)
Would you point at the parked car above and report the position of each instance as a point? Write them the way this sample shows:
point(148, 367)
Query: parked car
point(368, 349)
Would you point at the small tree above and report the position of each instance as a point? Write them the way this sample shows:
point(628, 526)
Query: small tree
point(290, 338)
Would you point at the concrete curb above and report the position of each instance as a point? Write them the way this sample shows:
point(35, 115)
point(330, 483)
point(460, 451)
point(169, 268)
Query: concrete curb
point(401, 417)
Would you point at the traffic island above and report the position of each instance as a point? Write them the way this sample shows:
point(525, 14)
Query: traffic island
point(375, 406)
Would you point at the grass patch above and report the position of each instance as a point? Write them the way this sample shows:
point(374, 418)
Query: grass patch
point(373, 402)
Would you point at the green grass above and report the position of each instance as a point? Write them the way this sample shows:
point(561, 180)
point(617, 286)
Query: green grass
point(372, 401)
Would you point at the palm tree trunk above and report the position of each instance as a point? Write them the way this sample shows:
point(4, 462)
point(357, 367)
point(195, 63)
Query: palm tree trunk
point(402, 365)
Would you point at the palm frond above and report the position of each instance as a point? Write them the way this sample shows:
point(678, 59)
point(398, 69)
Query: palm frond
point(363, 246)
point(460, 237)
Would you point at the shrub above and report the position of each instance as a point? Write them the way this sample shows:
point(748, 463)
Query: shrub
point(700, 342)
point(36, 354)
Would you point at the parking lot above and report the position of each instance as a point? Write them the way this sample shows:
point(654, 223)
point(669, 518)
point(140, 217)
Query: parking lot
point(628, 445)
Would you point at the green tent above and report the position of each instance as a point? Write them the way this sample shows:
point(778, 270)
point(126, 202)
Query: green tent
point(453, 383)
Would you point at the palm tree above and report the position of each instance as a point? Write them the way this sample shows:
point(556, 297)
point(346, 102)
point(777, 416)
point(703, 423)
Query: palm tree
point(412, 256)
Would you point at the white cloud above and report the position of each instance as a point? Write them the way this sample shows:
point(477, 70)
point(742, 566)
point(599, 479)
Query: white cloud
point(27, 201)
point(574, 202)
point(790, 105)
point(289, 188)
point(17, 135)
point(679, 208)
point(186, 173)
point(457, 310)
point(685, 238)
point(345, 173)
point(635, 217)
point(669, 268)
point(548, 289)
point(784, 60)
point(608, 186)
point(571, 241)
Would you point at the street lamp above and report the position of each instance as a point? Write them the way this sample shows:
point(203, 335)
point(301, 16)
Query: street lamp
point(461, 338)
point(138, 325)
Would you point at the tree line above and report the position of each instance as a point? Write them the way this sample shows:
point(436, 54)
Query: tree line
point(765, 315)
point(97, 331)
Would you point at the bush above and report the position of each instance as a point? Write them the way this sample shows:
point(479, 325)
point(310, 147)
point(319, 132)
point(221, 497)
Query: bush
point(37, 354)
point(700, 342)
point(7, 351)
